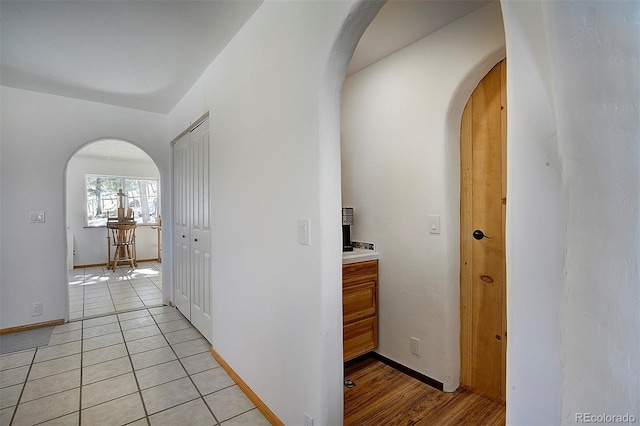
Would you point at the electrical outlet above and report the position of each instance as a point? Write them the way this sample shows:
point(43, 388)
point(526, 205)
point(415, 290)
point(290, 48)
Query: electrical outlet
point(36, 309)
point(415, 346)
point(308, 420)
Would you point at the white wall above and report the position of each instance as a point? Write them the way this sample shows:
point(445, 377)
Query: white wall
point(400, 164)
point(536, 240)
point(39, 134)
point(90, 245)
point(277, 307)
point(573, 219)
point(277, 304)
point(596, 82)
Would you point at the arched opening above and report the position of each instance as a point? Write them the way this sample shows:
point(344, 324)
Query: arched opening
point(405, 163)
point(102, 176)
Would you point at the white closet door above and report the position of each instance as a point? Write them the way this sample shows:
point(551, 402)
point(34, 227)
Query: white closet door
point(201, 231)
point(181, 214)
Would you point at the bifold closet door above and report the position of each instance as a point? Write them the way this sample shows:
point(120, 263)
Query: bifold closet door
point(181, 215)
point(192, 227)
point(200, 255)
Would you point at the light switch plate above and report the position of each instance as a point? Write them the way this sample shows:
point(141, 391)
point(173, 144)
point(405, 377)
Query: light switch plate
point(37, 217)
point(304, 232)
point(434, 224)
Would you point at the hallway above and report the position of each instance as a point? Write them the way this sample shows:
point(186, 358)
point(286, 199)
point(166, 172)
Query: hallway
point(142, 367)
point(99, 290)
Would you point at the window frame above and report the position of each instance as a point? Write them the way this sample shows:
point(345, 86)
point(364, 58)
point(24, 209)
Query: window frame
point(122, 184)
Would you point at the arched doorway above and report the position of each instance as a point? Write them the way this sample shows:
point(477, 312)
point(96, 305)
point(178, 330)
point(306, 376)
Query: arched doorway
point(94, 176)
point(404, 163)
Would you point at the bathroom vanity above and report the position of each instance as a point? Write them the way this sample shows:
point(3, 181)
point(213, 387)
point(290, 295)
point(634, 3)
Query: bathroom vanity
point(359, 302)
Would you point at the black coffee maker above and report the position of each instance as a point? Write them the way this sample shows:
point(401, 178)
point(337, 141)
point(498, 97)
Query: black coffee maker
point(347, 221)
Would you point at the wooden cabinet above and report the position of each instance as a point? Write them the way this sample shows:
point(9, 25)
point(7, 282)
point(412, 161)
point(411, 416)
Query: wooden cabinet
point(359, 308)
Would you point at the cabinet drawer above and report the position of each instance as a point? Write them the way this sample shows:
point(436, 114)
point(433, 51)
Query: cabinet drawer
point(359, 272)
point(358, 301)
point(360, 337)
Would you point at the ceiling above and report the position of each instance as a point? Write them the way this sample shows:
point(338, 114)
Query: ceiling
point(147, 54)
point(136, 54)
point(402, 22)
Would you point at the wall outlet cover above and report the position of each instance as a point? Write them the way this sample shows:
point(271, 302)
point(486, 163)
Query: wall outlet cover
point(36, 309)
point(415, 346)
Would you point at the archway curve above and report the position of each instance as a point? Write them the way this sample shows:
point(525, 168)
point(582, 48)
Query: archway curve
point(107, 138)
point(354, 24)
point(118, 157)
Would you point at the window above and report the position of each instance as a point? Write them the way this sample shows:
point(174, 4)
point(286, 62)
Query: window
point(141, 196)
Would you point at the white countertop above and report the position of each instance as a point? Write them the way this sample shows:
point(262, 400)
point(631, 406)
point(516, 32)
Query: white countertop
point(358, 255)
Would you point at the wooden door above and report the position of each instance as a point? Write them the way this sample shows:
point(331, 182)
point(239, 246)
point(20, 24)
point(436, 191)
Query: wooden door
point(201, 231)
point(181, 234)
point(482, 208)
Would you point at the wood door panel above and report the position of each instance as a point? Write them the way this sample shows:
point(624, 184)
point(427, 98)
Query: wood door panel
point(482, 273)
point(486, 206)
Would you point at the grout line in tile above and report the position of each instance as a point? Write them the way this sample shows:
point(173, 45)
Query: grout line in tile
point(81, 373)
point(188, 375)
point(134, 371)
point(135, 375)
point(240, 414)
point(24, 384)
point(85, 290)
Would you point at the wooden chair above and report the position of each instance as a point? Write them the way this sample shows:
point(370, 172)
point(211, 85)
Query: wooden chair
point(123, 238)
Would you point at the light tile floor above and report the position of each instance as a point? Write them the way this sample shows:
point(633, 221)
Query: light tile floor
point(143, 367)
point(99, 290)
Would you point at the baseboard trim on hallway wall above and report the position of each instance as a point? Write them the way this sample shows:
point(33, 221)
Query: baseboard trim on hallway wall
point(261, 406)
point(408, 371)
point(32, 326)
point(94, 265)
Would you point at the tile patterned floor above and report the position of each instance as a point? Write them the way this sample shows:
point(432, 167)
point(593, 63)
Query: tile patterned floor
point(143, 367)
point(99, 290)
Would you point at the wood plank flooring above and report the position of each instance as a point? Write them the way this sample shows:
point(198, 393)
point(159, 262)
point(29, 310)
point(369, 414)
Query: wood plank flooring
point(385, 396)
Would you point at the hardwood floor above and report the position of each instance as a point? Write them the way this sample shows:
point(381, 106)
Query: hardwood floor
point(385, 396)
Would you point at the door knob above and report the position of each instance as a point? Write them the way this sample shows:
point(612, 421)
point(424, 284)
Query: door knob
point(478, 235)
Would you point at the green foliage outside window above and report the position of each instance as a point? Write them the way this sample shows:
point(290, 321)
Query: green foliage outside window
point(142, 197)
